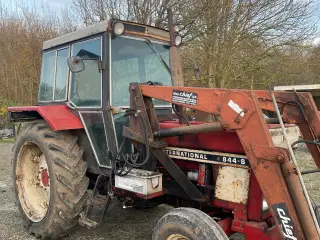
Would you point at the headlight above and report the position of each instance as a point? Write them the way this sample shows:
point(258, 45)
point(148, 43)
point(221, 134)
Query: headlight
point(178, 40)
point(118, 29)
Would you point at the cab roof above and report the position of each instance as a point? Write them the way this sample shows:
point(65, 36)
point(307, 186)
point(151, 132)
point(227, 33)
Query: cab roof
point(73, 36)
point(131, 28)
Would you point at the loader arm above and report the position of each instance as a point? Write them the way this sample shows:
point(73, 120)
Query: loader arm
point(241, 110)
point(299, 108)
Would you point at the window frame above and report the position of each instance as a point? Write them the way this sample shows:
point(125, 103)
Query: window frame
point(89, 136)
point(110, 69)
point(101, 74)
point(55, 75)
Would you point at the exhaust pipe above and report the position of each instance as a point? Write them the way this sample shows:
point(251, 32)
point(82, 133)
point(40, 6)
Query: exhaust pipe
point(174, 54)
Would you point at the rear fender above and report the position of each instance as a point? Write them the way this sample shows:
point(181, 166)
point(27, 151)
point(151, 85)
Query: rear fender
point(59, 117)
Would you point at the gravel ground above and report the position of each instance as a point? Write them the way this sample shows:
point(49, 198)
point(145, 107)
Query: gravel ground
point(312, 181)
point(119, 223)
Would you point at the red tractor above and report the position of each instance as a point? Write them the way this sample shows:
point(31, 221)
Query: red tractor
point(109, 124)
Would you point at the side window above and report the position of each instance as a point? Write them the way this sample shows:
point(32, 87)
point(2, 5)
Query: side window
point(61, 74)
point(47, 76)
point(54, 75)
point(85, 88)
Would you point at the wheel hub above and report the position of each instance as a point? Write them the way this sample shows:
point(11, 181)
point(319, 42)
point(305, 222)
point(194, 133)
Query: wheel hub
point(176, 237)
point(45, 178)
point(43, 173)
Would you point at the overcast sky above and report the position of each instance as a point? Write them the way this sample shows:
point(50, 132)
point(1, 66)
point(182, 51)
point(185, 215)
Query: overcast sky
point(57, 5)
point(54, 5)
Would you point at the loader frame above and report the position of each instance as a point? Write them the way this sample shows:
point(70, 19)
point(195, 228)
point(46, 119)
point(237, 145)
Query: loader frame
point(241, 110)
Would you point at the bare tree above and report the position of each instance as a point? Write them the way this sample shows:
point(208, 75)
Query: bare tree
point(234, 40)
point(23, 29)
point(151, 12)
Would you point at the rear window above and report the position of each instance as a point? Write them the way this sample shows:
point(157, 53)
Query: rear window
point(54, 75)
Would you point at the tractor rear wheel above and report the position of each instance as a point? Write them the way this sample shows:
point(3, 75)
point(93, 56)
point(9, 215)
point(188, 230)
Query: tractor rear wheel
point(49, 180)
point(187, 224)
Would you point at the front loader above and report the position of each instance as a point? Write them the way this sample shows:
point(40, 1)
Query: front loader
point(110, 123)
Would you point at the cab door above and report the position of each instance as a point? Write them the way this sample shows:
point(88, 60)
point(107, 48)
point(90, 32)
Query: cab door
point(85, 95)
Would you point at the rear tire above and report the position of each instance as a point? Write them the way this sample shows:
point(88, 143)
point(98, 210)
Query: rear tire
point(66, 182)
point(187, 223)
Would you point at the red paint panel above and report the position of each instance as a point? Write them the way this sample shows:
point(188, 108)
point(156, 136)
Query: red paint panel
point(255, 200)
point(202, 174)
point(59, 117)
point(225, 224)
point(254, 231)
point(226, 141)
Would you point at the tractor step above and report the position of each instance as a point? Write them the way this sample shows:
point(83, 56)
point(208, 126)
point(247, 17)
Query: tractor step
point(93, 216)
point(97, 204)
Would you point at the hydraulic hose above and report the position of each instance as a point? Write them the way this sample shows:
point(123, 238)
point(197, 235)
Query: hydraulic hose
point(306, 142)
point(131, 160)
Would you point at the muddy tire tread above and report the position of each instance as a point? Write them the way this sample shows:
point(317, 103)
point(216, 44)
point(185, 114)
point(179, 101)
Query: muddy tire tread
point(189, 222)
point(72, 189)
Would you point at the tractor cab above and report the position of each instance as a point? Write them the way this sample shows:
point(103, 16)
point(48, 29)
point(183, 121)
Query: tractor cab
point(113, 54)
point(102, 62)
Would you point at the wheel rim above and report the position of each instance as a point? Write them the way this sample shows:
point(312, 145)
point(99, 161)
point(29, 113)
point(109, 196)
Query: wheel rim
point(176, 237)
point(33, 182)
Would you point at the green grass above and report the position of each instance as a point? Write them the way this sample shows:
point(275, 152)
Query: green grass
point(7, 140)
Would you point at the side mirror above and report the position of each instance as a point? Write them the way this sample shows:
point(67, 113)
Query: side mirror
point(75, 64)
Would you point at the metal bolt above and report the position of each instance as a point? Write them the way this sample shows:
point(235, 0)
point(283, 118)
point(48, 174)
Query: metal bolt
point(19, 177)
point(133, 88)
point(280, 158)
point(225, 126)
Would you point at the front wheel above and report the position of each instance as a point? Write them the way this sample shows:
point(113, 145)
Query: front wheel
point(49, 180)
point(187, 224)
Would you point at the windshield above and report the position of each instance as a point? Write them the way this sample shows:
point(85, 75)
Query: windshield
point(134, 60)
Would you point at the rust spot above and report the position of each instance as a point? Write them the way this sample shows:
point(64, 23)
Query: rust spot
point(237, 184)
point(19, 177)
